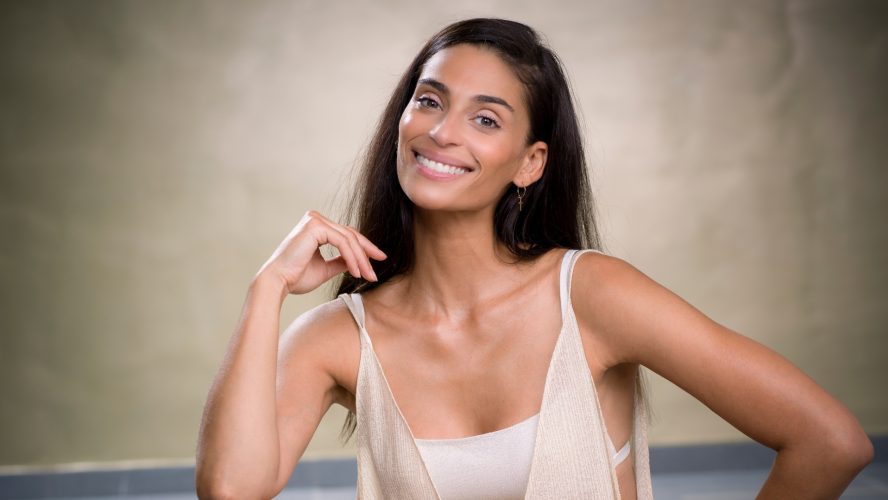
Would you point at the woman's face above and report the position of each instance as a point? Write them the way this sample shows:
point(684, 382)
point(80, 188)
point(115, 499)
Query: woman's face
point(462, 137)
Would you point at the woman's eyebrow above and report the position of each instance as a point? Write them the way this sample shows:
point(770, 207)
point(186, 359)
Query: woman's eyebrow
point(494, 100)
point(435, 84)
point(440, 87)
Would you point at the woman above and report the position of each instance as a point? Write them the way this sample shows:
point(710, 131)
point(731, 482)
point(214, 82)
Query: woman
point(514, 359)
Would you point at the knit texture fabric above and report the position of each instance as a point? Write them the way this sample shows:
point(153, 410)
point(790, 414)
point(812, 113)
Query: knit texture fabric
point(572, 454)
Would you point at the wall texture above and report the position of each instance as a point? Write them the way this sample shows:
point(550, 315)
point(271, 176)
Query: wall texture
point(153, 154)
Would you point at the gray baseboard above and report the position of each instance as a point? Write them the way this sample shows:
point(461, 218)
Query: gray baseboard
point(343, 472)
point(728, 457)
point(97, 483)
point(720, 457)
point(324, 474)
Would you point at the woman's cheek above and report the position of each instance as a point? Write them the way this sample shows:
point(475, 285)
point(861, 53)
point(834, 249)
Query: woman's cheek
point(405, 122)
point(412, 124)
point(497, 156)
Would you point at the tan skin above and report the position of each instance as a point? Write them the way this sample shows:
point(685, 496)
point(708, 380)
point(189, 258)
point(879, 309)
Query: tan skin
point(479, 332)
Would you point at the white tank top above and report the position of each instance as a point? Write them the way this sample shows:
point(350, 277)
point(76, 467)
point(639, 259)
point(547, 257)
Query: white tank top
point(495, 465)
point(492, 466)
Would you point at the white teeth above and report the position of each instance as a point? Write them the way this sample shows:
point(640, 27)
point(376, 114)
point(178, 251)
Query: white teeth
point(439, 167)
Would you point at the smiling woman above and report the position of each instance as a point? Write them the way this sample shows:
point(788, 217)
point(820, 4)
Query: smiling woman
point(449, 130)
point(490, 351)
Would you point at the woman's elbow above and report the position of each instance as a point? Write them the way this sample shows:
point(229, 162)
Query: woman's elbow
point(225, 493)
point(850, 446)
point(212, 491)
point(218, 489)
point(215, 489)
point(859, 453)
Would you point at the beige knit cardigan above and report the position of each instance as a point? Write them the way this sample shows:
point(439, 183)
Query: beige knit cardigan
point(571, 460)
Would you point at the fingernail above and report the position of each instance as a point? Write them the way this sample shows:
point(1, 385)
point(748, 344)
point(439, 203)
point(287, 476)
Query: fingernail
point(374, 274)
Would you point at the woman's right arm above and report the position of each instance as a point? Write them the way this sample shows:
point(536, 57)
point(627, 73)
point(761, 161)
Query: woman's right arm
point(241, 451)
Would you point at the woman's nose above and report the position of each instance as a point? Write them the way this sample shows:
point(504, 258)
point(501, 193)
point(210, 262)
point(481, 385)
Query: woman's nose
point(446, 132)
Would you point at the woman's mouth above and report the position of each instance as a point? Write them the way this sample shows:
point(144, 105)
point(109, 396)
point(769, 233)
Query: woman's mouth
point(440, 167)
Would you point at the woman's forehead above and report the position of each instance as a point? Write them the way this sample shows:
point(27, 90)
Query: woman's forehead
point(468, 70)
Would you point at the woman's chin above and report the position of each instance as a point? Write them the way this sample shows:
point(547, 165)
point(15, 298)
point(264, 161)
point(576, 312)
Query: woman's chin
point(435, 196)
point(433, 203)
point(429, 197)
point(437, 202)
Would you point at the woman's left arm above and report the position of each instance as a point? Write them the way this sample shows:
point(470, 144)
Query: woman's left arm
point(820, 445)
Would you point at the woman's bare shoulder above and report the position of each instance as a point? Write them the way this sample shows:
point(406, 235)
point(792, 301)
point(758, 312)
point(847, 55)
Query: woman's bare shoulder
point(596, 272)
point(610, 296)
point(609, 292)
point(328, 320)
point(328, 338)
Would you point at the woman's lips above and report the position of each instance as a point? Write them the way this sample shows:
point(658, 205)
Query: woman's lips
point(440, 166)
point(437, 171)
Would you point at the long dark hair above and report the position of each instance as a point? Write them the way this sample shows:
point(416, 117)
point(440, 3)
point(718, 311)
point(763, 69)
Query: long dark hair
point(558, 210)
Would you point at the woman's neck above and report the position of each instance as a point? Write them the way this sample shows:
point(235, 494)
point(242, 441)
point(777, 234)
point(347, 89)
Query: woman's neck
point(458, 260)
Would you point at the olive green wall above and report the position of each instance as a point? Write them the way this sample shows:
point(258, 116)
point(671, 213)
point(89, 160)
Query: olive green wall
point(154, 153)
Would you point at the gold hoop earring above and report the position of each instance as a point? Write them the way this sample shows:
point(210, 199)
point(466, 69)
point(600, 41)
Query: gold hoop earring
point(521, 195)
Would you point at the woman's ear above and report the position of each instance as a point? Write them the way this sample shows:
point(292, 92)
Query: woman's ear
point(533, 163)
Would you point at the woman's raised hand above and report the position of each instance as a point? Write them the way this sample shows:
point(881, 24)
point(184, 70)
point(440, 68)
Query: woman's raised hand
point(299, 266)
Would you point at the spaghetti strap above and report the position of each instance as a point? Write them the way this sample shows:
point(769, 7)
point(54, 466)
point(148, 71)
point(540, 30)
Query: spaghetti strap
point(356, 307)
point(562, 281)
point(567, 267)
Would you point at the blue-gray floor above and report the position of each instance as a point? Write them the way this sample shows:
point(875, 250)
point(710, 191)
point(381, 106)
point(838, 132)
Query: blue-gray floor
point(871, 484)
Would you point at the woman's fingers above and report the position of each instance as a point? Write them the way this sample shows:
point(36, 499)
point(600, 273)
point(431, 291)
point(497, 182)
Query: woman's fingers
point(360, 247)
point(363, 260)
point(335, 266)
point(366, 260)
point(341, 242)
point(299, 263)
point(369, 248)
point(365, 243)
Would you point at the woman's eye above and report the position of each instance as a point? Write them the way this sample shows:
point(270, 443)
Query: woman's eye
point(428, 102)
point(486, 121)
